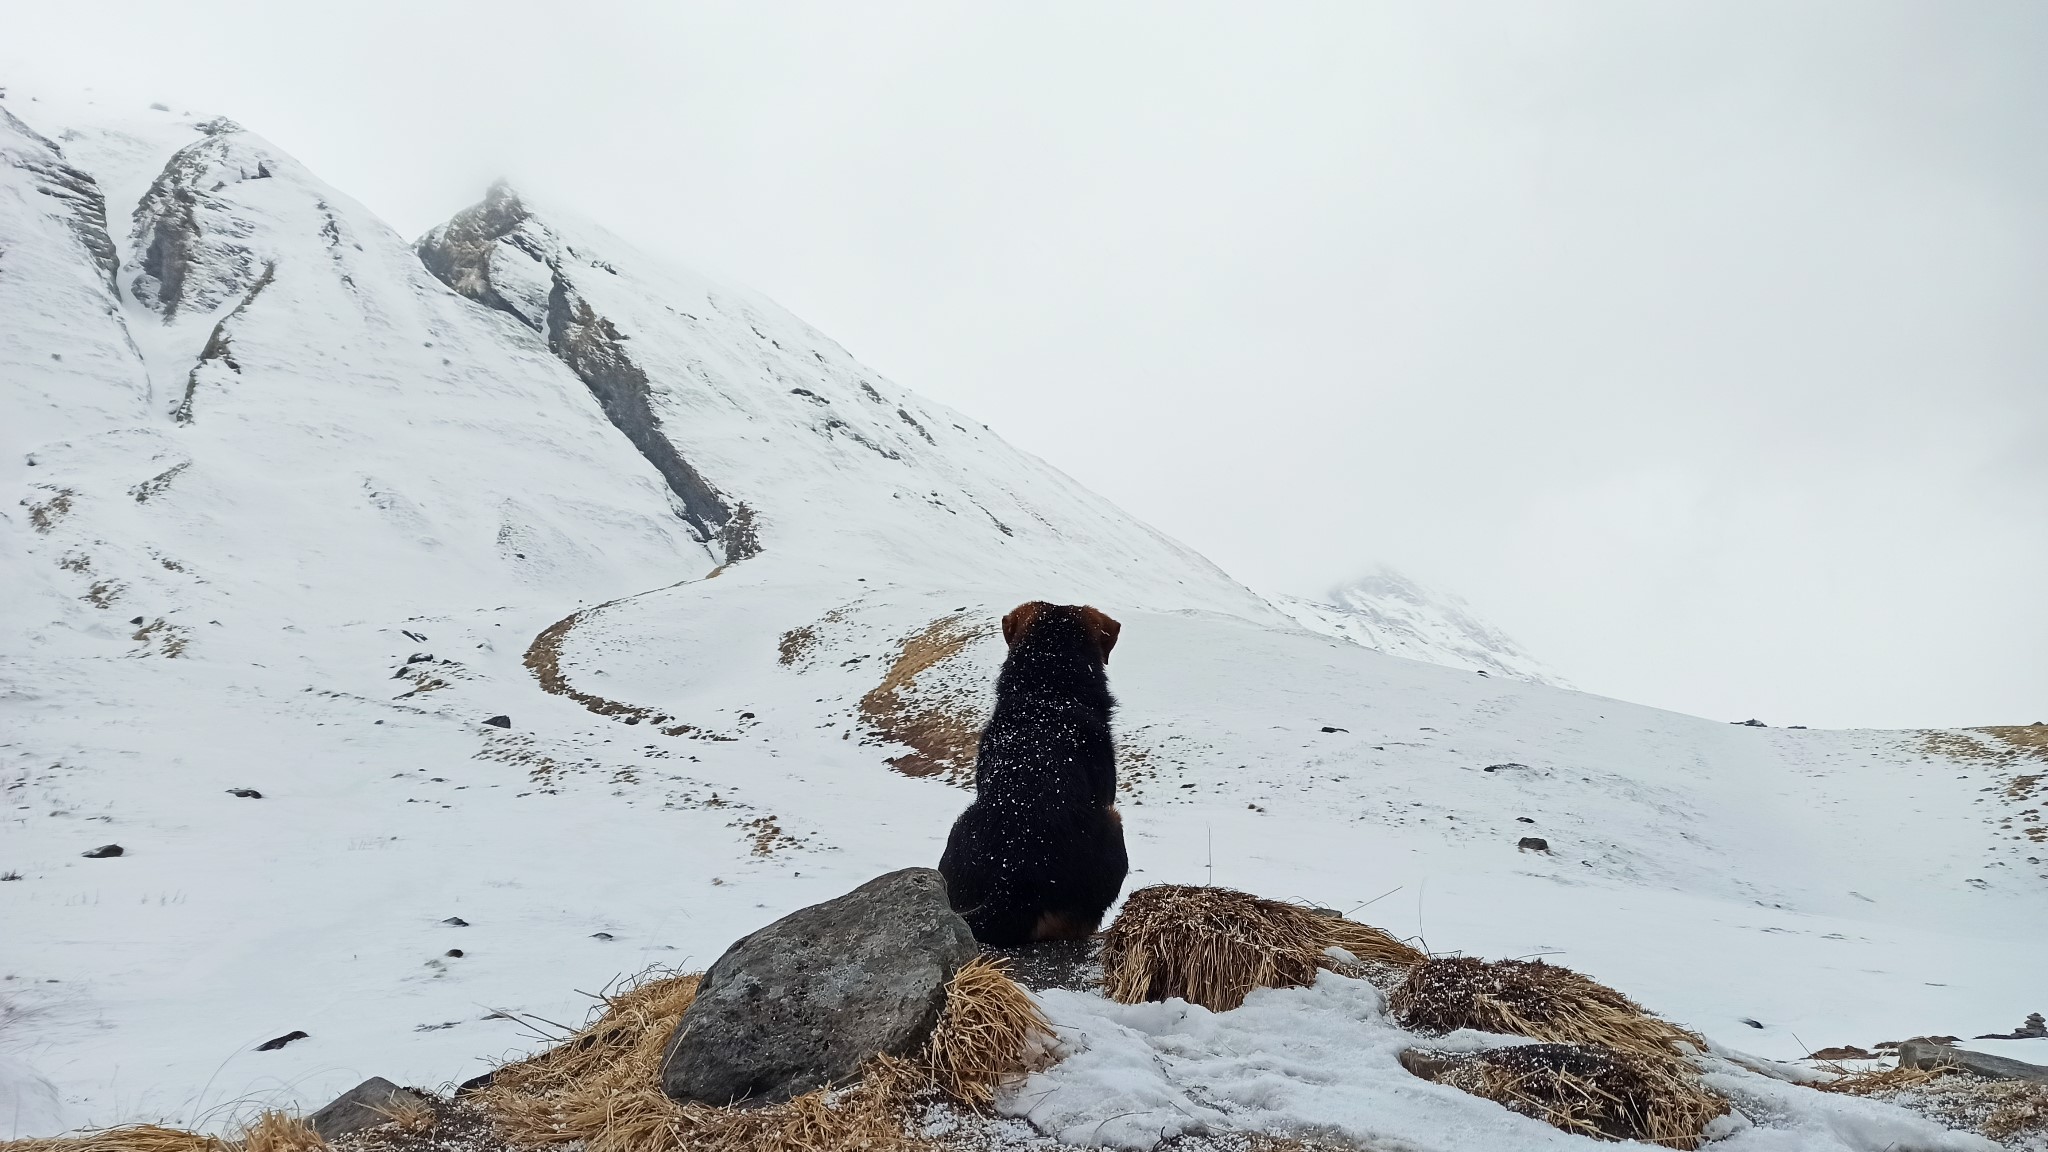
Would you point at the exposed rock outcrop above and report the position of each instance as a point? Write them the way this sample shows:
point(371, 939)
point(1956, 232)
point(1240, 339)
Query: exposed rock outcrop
point(85, 207)
point(804, 1001)
point(191, 248)
point(496, 254)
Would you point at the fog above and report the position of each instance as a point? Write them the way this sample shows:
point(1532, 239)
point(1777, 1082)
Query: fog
point(1702, 347)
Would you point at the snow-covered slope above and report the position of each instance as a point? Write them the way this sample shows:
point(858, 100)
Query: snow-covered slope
point(295, 506)
point(1388, 612)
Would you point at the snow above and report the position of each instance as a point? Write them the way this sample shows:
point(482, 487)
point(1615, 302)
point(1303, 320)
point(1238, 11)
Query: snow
point(1323, 1061)
point(389, 470)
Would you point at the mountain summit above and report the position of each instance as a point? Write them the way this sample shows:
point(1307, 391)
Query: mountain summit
point(1387, 612)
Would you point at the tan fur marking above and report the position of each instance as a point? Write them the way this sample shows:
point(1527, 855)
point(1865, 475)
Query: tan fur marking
point(1054, 926)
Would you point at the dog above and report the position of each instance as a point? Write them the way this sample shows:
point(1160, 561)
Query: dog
point(1039, 854)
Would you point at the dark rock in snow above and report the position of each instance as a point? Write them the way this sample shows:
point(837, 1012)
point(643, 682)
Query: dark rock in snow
point(419, 656)
point(2034, 1028)
point(601, 936)
point(1524, 820)
point(456, 922)
point(1533, 844)
point(1749, 723)
point(1752, 1023)
point(1927, 1054)
point(275, 1043)
point(415, 637)
point(246, 793)
point(1327, 728)
point(364, 1106)
point(104, 852)
point(455, 953)
point(460, 253)
point(137, 620)
point(499, 721)
point(1503, 767)
point(803, 1001)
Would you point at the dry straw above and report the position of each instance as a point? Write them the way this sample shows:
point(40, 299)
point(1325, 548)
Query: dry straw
point(269, 1132)
point(601, 1087)
point(990, 1033)
point(1533, 999)
point(1212, 946)
point(1589, 1090)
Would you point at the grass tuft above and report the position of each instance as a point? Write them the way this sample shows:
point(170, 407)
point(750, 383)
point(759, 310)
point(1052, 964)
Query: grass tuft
point(1212, 946)
point(1588, 1089)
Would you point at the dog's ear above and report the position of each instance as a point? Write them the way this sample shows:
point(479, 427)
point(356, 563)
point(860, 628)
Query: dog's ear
point(1019, 620)
point(1102, 629)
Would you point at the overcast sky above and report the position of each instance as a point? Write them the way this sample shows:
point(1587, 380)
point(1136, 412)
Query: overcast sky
point(1703, 347)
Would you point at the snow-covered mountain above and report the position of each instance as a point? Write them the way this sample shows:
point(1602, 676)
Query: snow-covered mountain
point(1388, 612)
point(297, 505)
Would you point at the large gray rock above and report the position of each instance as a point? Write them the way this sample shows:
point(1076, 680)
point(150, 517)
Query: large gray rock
point(802, 1002)
point(1927, 1054)
point(364, 1106)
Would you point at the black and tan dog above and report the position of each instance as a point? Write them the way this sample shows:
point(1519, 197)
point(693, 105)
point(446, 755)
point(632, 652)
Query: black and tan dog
point(1039, 854)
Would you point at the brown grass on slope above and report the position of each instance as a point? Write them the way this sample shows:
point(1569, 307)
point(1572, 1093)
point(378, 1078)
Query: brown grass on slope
point(943, 731)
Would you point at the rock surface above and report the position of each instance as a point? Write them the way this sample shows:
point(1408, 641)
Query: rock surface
point(804, 1001)
point(1925, 1054)
point(364, 1106)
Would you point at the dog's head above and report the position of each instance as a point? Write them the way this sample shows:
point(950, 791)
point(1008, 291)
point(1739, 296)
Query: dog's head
point(1093, 623)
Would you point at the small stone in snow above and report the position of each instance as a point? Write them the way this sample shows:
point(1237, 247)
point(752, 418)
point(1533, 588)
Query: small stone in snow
point(104, 852)
point(1327, 728)
point(137, 620)
point(1751, 1023)
point(1502, 767)
point(499, 721)
point(281, 1041)
point(1533, 844)
point(246, 793)
point(1525, 820)
point(454, 952)
point(456, 922)
point(601, 936)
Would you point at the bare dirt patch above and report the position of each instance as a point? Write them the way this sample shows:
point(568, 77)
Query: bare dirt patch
point(929, 701)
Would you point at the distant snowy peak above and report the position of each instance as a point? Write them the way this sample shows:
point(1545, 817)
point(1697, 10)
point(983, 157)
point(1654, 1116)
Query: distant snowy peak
point(1388, 612)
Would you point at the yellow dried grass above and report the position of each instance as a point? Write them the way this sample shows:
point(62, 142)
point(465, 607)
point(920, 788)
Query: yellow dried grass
point(272, 1131)
point(991, 1032)
point(1212, 946)
point(1533, 999)
point(279, 1132)
point(129, 1138)
point(602, 1086)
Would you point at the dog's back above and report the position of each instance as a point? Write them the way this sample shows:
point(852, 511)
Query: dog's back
point(1039, 854)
